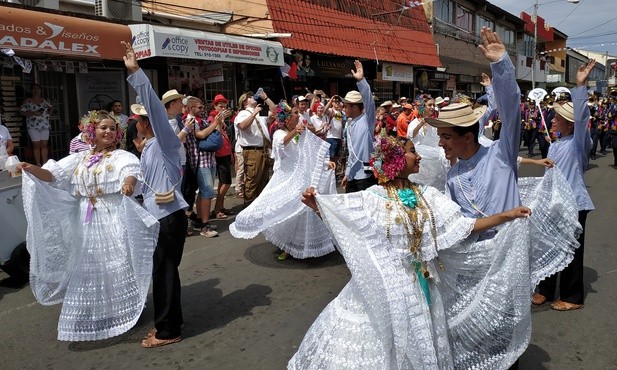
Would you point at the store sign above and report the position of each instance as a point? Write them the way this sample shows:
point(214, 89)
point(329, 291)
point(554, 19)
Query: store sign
point(553, 78)
point(98, 89)
point(213, 73)
point(397, 72)
point(26, 30)
point(150, 41)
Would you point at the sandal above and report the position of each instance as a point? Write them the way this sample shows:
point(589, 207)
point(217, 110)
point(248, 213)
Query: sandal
point(283, 256)
point(566, 306)
point(538, 299)
point(150, 333)
point(153, 342)
point(221, 216)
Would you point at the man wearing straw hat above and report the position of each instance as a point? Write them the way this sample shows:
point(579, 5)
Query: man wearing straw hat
point(484, 180)
point(161, 169)
point(570, 154)
point(360, 109)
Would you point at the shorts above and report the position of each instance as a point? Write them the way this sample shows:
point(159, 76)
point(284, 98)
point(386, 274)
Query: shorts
point(335, 146)
point(223, 169)
point(205, 180)
point(38, 135)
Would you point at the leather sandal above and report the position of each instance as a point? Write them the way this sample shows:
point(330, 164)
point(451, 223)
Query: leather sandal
point(150, 333)
point(560, 305)
point(221, 216)
point(538, 299)
point(153, 342)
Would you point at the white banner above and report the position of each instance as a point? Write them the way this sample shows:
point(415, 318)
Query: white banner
point(98, 89)
point(397, 72)
point(150, 41)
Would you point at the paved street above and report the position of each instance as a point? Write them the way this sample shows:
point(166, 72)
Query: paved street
point(243, 309)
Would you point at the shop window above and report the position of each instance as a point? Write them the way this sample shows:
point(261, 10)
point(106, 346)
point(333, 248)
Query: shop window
point(383, 90)
point(59, 135)
point(484, 22)
point(507, 35)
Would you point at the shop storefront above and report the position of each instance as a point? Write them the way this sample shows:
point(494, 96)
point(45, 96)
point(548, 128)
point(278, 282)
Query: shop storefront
point(62, 54)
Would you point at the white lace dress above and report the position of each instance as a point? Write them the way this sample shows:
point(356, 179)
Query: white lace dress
point(96, 262)
point(479, 313)
point(278, 211)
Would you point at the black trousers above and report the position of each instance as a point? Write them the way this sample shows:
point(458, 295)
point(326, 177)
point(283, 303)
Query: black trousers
point(166, 278)
point(571, 284)
point(189, 186)
point(358, 185)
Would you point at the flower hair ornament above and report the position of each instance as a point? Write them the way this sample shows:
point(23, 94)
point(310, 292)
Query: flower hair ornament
point(283, 112)
point(87, 125)
point(387, 158)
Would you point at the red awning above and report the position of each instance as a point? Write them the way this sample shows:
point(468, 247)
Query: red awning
point(324, 30)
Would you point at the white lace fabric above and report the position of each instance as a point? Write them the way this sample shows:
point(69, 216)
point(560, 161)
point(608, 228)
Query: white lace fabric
point(99, 270)
point(278, 211)
point(479, 313)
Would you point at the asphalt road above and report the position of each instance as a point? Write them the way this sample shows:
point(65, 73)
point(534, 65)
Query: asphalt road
point(244, 309)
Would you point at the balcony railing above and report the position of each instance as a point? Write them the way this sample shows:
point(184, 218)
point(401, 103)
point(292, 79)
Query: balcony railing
point(447, 29)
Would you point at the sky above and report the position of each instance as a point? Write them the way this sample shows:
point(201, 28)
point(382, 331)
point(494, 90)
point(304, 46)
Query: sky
point(590, 24)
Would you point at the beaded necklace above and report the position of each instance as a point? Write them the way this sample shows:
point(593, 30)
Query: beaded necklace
point(409, 204)
point(94, 159)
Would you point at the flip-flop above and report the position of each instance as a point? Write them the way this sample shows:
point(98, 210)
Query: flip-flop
point(153, 342)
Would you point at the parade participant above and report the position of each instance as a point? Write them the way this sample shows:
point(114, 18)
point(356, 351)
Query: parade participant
point(91, 244)
point(37, 111)
point(255, 142)
point(360, 110)
point(300, 160)
point(161, 168)
point(571, 155)
point(423, 293)
point(484, 180)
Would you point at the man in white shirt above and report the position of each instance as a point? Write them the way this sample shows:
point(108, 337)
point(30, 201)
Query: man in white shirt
point(255, 142)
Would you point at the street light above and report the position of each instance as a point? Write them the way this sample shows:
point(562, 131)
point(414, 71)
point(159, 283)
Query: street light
point(535, 37)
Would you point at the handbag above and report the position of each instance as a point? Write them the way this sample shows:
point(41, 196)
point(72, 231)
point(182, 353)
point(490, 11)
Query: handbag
point(212, 142)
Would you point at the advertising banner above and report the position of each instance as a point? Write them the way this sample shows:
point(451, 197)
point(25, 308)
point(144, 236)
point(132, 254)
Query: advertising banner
point(150, 41)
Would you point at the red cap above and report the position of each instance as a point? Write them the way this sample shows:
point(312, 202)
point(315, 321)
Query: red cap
point(219, 98)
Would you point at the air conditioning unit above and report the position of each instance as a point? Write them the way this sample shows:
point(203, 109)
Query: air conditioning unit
point(118, 9)
point(48, 4)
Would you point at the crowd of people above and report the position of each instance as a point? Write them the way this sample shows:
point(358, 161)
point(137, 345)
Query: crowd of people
point(435, 223)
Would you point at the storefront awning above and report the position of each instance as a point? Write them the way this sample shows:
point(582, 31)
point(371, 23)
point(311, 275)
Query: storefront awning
point(157, 41)
point(38, 33)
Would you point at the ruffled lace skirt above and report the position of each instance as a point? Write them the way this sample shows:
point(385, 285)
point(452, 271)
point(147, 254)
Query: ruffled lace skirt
point(278, 211)
point(100, 271)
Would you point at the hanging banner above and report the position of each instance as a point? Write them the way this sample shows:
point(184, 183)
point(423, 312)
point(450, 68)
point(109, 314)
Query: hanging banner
point(56, 65)
point(151, 41)
point(83, 67)
point(70, 67)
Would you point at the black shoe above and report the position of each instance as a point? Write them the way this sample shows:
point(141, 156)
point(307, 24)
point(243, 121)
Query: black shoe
point(198, 225)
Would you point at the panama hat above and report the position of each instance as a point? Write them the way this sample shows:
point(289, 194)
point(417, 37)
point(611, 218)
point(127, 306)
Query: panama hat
point(353, 97)
point(387, 103)
point(396, 105)
point(439, 100)
point(171, 95)
point(139, 110)
point(566, 110)
point(458, 114)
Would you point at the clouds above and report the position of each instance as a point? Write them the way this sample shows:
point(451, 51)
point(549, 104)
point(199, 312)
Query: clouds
point(587, 24)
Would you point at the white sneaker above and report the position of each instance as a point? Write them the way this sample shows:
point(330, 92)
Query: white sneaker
point(208, 232)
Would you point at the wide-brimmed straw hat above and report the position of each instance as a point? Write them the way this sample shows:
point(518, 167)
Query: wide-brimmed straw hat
point(139, 110)
point(353, 97)
point(171, 95)
point(387, 103)
point(458, 114)
point(439, 100)
point(566, 110)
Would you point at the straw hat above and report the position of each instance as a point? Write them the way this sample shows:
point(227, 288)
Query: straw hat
point(171, 95)
point(439, 100)
point(139, 110)
point(458, 114)
point(243, 98)
point(387, 103)
point(566, 110)
point(353, 97)
point(396, 105)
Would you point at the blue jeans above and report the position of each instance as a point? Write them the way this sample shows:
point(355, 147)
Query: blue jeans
point(205, 180)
